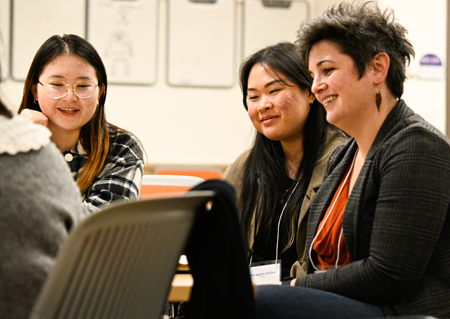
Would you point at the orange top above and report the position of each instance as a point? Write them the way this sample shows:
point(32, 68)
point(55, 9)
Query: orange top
point(327, 240)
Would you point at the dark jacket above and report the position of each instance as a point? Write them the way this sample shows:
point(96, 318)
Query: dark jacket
point(218, 261)
point(396, 223)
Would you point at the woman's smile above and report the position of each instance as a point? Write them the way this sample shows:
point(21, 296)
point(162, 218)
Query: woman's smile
point(68, 110)
point(329, 99)
point(267, 120)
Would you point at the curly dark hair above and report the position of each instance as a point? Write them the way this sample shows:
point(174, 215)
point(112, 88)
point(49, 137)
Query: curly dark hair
point(361, 30)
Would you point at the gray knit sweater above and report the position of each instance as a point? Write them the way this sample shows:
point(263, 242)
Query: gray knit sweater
point(39, 204)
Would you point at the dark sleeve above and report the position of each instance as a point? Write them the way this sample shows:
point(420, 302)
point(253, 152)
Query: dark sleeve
point(411, 186)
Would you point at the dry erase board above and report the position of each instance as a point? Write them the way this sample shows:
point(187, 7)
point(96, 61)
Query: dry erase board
point(33, 22)
point(4, 36)
point(201, 43)
point(267, 22)
point(124, 32)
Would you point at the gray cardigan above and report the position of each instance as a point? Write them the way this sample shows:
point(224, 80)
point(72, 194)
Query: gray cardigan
point(39, 204)
point(396, 223)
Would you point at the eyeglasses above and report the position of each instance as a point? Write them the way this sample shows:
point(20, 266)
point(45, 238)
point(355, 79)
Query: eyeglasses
point(57, 89)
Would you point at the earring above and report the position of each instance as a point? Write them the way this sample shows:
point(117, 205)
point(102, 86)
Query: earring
point(35, 101)
point(378, 98)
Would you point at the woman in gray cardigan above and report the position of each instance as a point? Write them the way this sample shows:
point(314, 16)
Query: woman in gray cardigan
point(378, 238)
point(39, 204)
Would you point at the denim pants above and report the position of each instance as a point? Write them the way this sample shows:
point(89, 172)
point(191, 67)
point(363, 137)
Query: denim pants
point(286, 302)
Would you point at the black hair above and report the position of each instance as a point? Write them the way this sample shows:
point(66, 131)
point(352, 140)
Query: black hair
point(265, 176)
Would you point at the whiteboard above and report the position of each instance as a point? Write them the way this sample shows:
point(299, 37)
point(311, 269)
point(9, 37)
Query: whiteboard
point(124, 32)
point(201, 43)
point(33, 22)
point(264, 25)
point(4, 36)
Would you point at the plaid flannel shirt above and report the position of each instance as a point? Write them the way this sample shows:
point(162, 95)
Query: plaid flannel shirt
point(121, 177)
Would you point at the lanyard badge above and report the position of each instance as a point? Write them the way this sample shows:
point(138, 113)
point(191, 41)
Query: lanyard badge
point(265, 271)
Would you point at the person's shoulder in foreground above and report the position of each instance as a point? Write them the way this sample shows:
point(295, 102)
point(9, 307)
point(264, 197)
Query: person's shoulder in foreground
point(40, 204)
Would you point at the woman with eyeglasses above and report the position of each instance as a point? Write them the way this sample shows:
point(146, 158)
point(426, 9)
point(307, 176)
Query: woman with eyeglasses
point(65, 90)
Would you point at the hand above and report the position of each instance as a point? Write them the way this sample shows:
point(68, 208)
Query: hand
point(35, 117)
point(293, 282)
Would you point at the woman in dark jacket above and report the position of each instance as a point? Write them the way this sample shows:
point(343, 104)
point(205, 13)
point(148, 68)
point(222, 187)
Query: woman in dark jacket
point(378, 239)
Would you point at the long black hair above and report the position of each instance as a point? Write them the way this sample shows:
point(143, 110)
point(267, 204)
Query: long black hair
point(94, 135)
point(265, 177)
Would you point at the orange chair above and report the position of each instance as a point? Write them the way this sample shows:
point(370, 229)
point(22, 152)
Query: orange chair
point(160, 185)
point(204, 172)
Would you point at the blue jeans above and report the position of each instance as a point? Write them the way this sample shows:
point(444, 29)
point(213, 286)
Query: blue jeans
point(286, 302)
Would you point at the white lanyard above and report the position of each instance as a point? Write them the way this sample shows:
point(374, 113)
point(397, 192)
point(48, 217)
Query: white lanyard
point(279, 221)
point(278, 227)
point(269, 271)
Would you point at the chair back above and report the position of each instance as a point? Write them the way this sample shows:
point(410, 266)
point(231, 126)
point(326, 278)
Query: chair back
point(204, 172)
point(157, 185)
point(119, 262)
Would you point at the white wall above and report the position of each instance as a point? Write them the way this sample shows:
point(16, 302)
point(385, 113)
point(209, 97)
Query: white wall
point(175, 124)
point(427, 25)
point(198, 125)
